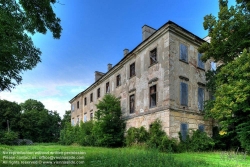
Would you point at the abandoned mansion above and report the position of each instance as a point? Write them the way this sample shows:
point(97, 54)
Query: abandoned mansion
point(161, 78)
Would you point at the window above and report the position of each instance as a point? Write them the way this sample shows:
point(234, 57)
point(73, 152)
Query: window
point(153, 56)
point(184, 94)
point(107, 87)
point(184, 131)
point(72, 107)
point(200, 63)
point(183, 52)
point(85, 101)
point(132, 103)
point(213, 66)
point(91, 116)
point(201, 99)
point(78, 105)
point(91, 97)
point(72, 122)
point(118, 80)
point(78, 121)
point(201, 127)
point(98, 92)
point(132, 70)
point(152, 96)
point(85, 118)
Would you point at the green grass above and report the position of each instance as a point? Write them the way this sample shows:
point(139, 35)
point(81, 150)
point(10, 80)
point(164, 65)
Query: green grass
point(121, 157)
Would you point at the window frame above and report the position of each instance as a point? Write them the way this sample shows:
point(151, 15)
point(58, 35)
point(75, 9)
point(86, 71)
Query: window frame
point(78, 105)
point(85, 119)
point(118, 80)
point(132, 70)
point(132, 110)
point(184, 132)
point(152, 94)
point(98, 92)
point(85, 101)
point(91, 115)
point(153, 57)
point(107, 87)
point(181, 57)
point(91, 97)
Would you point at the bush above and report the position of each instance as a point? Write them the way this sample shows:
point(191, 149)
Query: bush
point(136, 136)
point(85, 135)
point(68, 134)
point(168, 145)
point(156, 134)
point(8, 138)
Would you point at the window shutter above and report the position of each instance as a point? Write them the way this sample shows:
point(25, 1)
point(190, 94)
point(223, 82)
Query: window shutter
point(200, 63)
point(184, 131)
point(183, 52)
point(184, 94)
point(201, 128)
point(201, 99)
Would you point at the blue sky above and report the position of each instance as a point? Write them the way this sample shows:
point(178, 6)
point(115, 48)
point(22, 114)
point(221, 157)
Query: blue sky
point(95, 33)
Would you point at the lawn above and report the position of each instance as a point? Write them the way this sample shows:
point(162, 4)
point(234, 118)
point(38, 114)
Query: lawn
point(56, 155)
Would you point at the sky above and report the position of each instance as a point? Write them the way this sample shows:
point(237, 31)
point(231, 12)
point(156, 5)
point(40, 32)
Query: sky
point(95, 33)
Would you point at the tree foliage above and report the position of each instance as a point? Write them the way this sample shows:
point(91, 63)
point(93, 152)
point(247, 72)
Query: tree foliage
point(109, 127)
point(17, 51)
point(230, 35)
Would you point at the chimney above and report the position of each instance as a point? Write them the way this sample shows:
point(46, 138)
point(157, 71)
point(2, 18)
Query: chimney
point(125, 52)
point(109, 66)
point(147, 31)
point(98, 75)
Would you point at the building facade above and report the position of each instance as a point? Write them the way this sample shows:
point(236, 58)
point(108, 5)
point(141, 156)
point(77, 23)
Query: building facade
point(162, 78)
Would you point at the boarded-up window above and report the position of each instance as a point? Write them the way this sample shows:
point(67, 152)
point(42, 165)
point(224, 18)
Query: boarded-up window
point(183, 52)
point(201, 127)
point(85, 101)
point(152, 96)
point(153, 56)
point(77, 104)
point(132, 103)
point(184, 94)
point(200, 63)
point(201, 99)
point(98, 92)
point(184, 131)
point(118, 80)
point(85, 117)
point(107, 87)
point(91, 97)
point(132, 70)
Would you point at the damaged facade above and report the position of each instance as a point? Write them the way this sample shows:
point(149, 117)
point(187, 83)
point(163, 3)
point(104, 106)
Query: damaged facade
point(162, 78)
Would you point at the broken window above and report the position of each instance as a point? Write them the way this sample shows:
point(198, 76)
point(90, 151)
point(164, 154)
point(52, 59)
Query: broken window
point(132, 70)
point(200, 62)
point(107, 87)
point(118, 80)
point(153, 56)
point(85, 101)
point(183, 52)
point(152, 96)
point(91, 97)
point(201, 127)
point(98, 92)
point(78, 105)
point(184, 94)
point(184, 131)
point(201, 99)
point(132, 103)
point(91, 116)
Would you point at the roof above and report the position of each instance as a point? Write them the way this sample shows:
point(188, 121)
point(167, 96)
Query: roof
point(144, 41)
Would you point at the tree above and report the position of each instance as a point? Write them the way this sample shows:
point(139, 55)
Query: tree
point(109, 127)
point(230, 35)
point(17, 51)
point(37, 123)
point(66, 118)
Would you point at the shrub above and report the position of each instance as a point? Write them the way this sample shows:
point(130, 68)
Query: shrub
point(86, 137)
point(136, 136)
point(168, 145)
point(156, 134)
point(8, 138)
